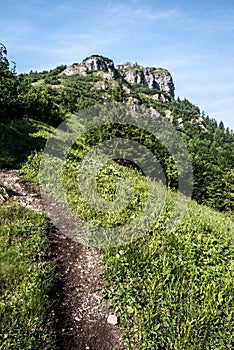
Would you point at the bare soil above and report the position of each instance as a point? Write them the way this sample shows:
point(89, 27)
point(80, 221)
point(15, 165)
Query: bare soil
point(80, 311)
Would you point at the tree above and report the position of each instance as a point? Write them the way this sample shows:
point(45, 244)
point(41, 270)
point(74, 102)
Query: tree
point(4, 63)
point(9, 86)
point(118, 92)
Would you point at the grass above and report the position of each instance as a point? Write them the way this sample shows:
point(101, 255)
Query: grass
point(19, 139)
point(26, 278)
point(175, 291)
point(171, 291)
point(29, 170)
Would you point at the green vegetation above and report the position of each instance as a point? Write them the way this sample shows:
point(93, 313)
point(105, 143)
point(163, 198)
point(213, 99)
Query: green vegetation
point(175, 291)
point(172, 291)
point(55, 96)
point(26, 280)
point(136, 66)
point(21, 139)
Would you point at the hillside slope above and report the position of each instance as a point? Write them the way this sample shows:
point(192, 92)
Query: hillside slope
point(170, 290)
point(51, 96)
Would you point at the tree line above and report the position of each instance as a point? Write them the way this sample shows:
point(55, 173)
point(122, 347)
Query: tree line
point(49, 97)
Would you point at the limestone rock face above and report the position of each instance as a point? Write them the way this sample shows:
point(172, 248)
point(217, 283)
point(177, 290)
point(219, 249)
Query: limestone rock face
point(164, 79)
point(94, 63)
point(154, 78)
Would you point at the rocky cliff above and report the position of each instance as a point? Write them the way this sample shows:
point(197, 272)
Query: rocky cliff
point(94, 63)
point(154, 78)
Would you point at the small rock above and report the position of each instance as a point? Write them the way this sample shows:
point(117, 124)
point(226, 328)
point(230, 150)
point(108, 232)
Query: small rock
point(4, 196)
point(112, 319)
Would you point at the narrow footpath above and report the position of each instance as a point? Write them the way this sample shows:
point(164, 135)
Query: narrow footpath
point(81, 315)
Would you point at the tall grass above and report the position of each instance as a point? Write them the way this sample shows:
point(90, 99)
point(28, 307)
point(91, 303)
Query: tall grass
point(26, 278)
point(171, 290)
point(175, 291)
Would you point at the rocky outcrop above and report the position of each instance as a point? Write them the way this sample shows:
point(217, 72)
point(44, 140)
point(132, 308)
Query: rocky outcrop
point(94, 63)
point(154, 78)
point(164, 80)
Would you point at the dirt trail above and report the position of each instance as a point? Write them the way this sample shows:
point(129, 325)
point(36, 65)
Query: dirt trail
point(81, 315)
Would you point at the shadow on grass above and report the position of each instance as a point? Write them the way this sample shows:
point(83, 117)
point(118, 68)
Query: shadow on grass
point(18, 139)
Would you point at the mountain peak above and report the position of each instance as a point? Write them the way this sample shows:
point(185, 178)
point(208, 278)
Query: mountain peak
point(133, 73)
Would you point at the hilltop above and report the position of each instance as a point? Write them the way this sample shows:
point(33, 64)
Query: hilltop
point(133, 73)
point(51, 96)
point(168, 289)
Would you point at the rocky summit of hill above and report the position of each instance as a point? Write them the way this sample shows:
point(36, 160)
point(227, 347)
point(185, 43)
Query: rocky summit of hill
point(151, 77)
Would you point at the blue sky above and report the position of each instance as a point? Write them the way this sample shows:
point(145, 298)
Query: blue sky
point(194, 40)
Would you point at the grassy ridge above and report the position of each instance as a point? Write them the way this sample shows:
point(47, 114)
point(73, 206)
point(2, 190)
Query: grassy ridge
point(171, 291)
point(26, 278)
